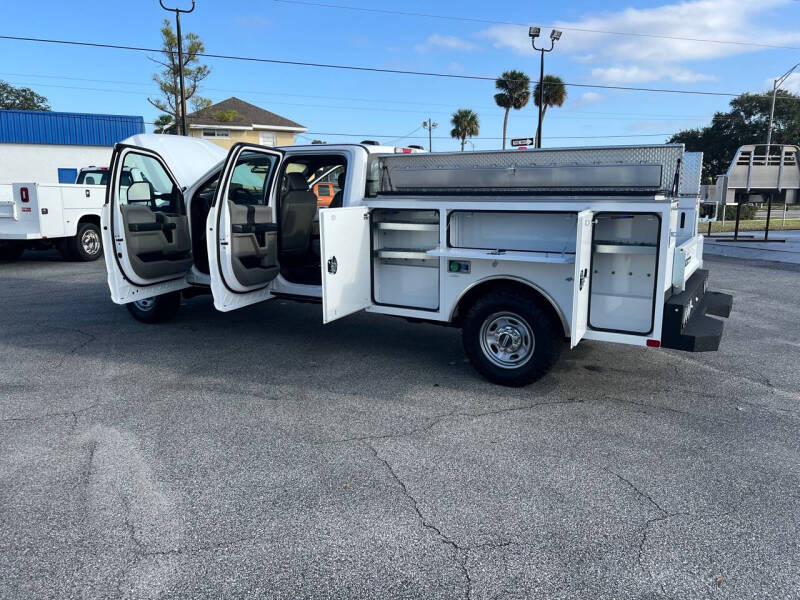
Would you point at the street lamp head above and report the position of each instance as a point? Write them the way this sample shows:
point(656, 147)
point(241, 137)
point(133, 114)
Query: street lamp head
point(555, 35)
point(533, 32)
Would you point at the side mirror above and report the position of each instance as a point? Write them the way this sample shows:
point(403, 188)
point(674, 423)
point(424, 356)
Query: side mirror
point(141, 191)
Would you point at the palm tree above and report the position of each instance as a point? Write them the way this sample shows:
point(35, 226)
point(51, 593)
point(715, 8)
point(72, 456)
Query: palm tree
point(465, 124)
point(515, 91)
point(555, 93)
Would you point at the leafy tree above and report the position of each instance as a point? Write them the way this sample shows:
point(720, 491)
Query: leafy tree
point(555, 94)
point(745, 123)
point(515, 91)
point(465, 124)
point(168, 79)
point(228, 116)
point(164, 124)
point(21, 98)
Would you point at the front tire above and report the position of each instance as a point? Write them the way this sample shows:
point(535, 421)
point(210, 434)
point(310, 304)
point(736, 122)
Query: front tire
point(156, 309)
point(87, 245)
point(510, 339)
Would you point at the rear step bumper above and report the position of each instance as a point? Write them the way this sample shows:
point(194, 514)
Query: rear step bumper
point(687, 324)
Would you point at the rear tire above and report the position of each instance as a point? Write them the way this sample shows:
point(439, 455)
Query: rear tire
point(510, 339)
point(87, 245)
point(11, 251)
point(156, 309)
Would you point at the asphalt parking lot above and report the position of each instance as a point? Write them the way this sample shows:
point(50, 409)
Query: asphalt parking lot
point(262, 454)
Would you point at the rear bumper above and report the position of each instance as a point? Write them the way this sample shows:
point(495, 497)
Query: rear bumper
point(688, 324)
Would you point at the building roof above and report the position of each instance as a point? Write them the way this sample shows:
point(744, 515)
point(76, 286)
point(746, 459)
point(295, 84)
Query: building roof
point(234, 112)
point(62, 128)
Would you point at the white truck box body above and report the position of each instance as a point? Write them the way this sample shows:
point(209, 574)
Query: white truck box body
point(52, 210)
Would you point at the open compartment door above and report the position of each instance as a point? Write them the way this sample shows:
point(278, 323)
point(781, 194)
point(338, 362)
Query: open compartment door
point(345, 244)
point(580, 282)
point(242, 228)
point(148, 250)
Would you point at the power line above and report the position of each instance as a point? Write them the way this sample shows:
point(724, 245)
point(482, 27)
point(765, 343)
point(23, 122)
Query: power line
point(364, 69)
point(563, 27)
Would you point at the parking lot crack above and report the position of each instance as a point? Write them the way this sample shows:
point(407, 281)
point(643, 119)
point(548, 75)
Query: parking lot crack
point(460, 553)
point(440, 418)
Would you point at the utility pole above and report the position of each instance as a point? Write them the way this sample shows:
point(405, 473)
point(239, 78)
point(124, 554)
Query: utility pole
point(430, 126)
point(775, 85)
point(555, 35)
point(178, 12)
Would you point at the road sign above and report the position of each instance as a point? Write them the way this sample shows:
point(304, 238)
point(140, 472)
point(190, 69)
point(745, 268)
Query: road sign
point(522, 141)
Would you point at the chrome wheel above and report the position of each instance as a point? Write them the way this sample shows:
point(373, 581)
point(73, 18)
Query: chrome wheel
point(145, 304)
point(507, 340)
point(90, 242)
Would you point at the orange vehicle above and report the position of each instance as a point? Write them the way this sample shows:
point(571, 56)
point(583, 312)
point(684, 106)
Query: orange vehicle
point(325, 192)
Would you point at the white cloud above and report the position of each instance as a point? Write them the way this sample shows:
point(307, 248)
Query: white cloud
point(792, 83)
point(626, 58)
point(588, 98)
point(446, 42)
point(640, 74)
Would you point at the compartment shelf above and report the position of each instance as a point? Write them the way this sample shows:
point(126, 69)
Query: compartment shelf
point(520, 256)
point(617, 248)
point(406, 226)
point(407, 253)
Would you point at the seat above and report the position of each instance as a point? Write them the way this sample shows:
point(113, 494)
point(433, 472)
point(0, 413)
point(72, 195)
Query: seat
point(297, 210)
point(338, 198)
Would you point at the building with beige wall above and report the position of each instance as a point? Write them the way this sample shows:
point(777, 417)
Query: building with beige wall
point(234, 120)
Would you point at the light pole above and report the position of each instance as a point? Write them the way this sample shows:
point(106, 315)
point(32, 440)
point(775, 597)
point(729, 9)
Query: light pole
point(555, 35)
point(430, 126)
point(776, 84)
point(178, 12)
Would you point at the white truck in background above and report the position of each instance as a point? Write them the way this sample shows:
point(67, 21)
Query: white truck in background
point(51, 215)
point(40, 216)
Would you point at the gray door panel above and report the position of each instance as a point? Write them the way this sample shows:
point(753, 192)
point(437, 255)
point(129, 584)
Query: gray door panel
point(159, 244)
point(254, 243)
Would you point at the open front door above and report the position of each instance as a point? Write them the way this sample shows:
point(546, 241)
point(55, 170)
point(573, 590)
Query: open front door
point(145, 227)
point(583, 268)
point(346, 280)
point(242, 228)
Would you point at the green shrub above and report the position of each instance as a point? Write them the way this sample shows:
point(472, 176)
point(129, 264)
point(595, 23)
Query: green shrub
point(748, 212)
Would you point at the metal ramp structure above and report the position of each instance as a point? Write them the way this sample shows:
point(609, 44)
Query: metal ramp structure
point(759, 171)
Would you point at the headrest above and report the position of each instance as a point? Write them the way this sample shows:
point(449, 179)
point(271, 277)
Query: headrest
point(341, 179)
point(296, 182)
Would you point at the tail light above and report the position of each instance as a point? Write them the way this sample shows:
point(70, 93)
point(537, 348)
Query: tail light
point(23, 194)
point(654, 343)
point(402, 150)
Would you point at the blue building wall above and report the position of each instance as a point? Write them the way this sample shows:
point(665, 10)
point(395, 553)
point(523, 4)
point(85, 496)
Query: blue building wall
point(74, 129)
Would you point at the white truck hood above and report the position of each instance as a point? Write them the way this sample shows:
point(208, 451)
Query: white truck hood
point(188, 158)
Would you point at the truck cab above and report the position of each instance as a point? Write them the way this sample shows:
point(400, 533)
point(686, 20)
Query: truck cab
point(524, 252)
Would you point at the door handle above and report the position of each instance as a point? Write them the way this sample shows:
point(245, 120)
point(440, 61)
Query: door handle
point(333, 266)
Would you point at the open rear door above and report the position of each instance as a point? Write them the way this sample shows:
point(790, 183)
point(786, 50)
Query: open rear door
point(145, 228)
point(583, 268)
point(242, 228)
point(346, 280)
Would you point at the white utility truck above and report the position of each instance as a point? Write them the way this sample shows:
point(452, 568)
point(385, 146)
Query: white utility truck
point(45, 215)
point(526, 251)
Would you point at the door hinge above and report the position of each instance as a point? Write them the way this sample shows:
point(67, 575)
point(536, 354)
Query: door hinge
point(366, 216)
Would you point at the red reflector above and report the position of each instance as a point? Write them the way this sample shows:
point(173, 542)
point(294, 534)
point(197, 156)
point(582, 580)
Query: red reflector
point(522, 147)
point(654, 343)
point(23, 194)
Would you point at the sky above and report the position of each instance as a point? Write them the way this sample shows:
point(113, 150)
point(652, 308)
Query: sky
point(464, 37)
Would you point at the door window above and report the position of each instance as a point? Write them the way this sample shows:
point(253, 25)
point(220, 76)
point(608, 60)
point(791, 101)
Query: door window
point(251, 176)
point(155, 190)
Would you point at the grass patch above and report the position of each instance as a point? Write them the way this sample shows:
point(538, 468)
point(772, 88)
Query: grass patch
point(750, 225)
